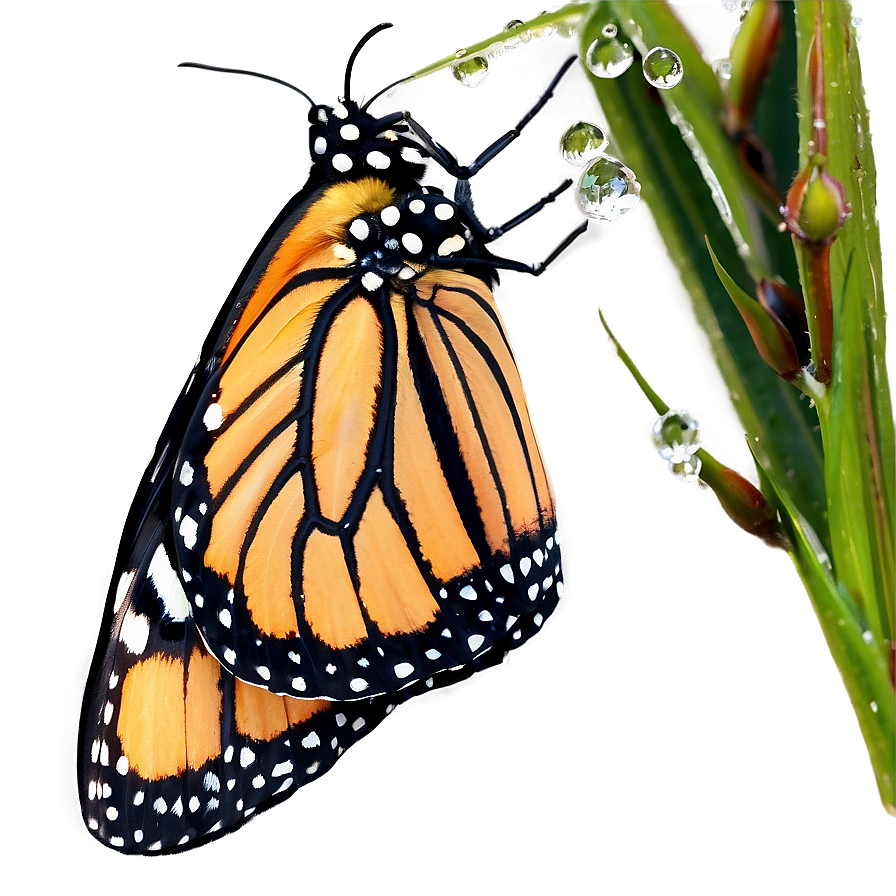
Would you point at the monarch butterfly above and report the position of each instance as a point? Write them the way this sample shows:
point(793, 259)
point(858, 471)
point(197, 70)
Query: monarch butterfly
point(347, 506)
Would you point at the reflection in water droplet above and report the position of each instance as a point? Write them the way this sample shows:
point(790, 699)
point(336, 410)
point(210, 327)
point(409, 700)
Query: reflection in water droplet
point(609, 57)
point(580, 142)
point(471, 71)
point(676, 435)
point(543, 32)
point(607, 190)
point(609, 30)
point(568, 27)
point(662, 68)
point(687, 469)
point(722, 68)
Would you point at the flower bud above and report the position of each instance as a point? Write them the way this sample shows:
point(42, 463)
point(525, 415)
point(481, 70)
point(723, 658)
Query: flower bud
point(816, 205)
point(784, 306)
point(743, 502)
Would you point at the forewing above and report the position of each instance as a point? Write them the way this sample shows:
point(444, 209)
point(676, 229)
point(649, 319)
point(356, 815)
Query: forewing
point(360, 502)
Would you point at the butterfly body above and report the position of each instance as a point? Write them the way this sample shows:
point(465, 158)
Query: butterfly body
point(346, 508)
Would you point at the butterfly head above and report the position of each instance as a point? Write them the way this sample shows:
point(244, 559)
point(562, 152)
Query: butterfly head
point(347, 142)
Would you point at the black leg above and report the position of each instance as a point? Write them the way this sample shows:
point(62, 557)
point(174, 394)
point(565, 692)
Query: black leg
point(463, 172)
point(509, 264)
point(492, 233)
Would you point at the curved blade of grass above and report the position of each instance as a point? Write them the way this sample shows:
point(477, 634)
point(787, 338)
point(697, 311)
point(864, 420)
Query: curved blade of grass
point(781, 426)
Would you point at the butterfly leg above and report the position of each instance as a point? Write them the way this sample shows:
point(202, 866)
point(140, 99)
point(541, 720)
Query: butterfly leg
point(488, 234)
point(510, 264)
point(449, 162)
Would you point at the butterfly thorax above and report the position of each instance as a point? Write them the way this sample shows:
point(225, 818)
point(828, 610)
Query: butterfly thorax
point(401, 241)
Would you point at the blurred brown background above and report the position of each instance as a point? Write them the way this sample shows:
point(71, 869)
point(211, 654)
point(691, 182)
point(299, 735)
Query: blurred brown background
point(677, 728)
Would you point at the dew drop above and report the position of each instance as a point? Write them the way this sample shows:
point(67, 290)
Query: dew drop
point(607, 190)
point(459, 54)
point(722, 68)
point(676, 435)
point(568, 28)
point(543, 32)
point(516, 40)
point(470, 72)
point(662, 68)
point(687, 470)
point(580, 142)
point(608, 56)
point(496, 50)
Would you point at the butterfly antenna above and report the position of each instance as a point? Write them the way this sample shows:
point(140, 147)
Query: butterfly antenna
point(240, 71)
point(354, 56)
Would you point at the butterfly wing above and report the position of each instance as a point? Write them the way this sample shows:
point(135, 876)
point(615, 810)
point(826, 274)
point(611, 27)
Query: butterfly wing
point(360, 502)
point(174, 750)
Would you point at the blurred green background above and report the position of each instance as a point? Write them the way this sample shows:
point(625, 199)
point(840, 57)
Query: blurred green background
point(677, 727)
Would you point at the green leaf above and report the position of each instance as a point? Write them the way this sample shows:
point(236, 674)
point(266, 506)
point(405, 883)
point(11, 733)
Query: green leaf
point(857, 417)
point(780, 426)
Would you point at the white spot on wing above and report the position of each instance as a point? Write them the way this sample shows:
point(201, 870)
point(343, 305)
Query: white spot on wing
point(188, 529)
point(135, 632)
point(403, 670)
point(213, 417)
point(124, 583)
point(186, 473)
point(167, 585)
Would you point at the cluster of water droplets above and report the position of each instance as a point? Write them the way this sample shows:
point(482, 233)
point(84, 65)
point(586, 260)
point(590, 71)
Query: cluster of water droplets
point(606, 189)
point(676, 436)
point(471, 69)
point(611, 55)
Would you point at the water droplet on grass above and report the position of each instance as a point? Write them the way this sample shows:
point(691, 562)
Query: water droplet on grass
point(609, 56)
point(662, 68)
point(470, 72)
point(687, 469)
point(676, 435)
